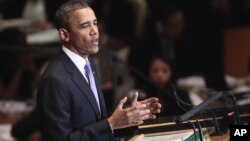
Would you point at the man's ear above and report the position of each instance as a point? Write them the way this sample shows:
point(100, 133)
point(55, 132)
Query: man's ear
point(64, 35)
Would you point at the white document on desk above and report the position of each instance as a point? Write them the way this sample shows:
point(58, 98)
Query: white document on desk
point(168, 137)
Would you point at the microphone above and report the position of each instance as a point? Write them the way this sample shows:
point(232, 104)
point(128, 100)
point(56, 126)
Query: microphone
point(236, 115)
point(198, 108)
point(179, 101)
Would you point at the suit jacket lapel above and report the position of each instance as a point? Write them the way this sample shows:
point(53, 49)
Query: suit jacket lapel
point(80, 81)
point(84, 87)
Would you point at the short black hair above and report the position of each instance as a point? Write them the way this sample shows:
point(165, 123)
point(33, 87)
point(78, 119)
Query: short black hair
point(63, 14)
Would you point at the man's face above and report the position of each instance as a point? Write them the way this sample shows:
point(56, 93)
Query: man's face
point(83, 36)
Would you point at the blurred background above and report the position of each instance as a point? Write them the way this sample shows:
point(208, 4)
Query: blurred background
point(195, 48)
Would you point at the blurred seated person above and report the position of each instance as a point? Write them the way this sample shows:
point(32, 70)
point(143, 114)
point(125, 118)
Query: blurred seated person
point(171, 29)
point(17, 69)
point(167, 39)
point(191, 52)
point(162, 86)
point(25, 128)
point(174, 42)
point(29, 126)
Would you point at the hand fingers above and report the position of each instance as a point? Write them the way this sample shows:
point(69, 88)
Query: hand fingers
point(155, 108)
point(137, 108)
point(138, 113)
point(142, 110)
point(148, 116)
point(134, 102)
point(121, 103)
point(142, 114)
point(136, 117)
point(136, 123)
point(149, 100)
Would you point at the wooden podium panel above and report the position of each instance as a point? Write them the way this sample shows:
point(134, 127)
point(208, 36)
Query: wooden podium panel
point(237, 51)
point(215, 128)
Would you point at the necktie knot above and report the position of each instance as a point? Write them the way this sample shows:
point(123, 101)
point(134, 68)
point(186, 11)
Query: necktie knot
point(87, 67)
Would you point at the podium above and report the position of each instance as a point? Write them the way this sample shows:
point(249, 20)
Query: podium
point(166, 127)
point(178, 135)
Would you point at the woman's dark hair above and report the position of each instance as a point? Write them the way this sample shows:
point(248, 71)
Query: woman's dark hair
point(163, 58)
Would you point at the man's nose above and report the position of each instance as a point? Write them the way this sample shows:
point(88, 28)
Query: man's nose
point(93, 30)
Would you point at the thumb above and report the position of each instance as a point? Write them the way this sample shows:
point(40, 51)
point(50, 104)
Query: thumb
point(121, 103)
point(134, 102)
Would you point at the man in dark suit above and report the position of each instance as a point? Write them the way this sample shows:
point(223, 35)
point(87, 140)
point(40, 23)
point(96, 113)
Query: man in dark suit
point(69, 107)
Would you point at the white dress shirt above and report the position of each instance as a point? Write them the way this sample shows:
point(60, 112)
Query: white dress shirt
point(79, 61)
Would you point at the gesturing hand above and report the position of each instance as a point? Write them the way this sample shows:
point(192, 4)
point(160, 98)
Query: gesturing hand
point(152, 103)
point(134, 115)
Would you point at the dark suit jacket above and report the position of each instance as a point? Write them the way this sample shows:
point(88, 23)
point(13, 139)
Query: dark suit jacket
point(67, 106)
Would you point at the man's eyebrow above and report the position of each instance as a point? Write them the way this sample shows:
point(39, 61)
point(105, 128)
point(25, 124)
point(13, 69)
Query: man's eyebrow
point(84, 23)
point(88, 22)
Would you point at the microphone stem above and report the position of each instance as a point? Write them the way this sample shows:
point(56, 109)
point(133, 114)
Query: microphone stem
point(200, 131)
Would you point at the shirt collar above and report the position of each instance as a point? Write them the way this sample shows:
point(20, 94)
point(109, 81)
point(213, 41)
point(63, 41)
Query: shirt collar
point(79, 61)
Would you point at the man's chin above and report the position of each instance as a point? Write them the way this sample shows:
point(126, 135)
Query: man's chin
point(94, 50)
